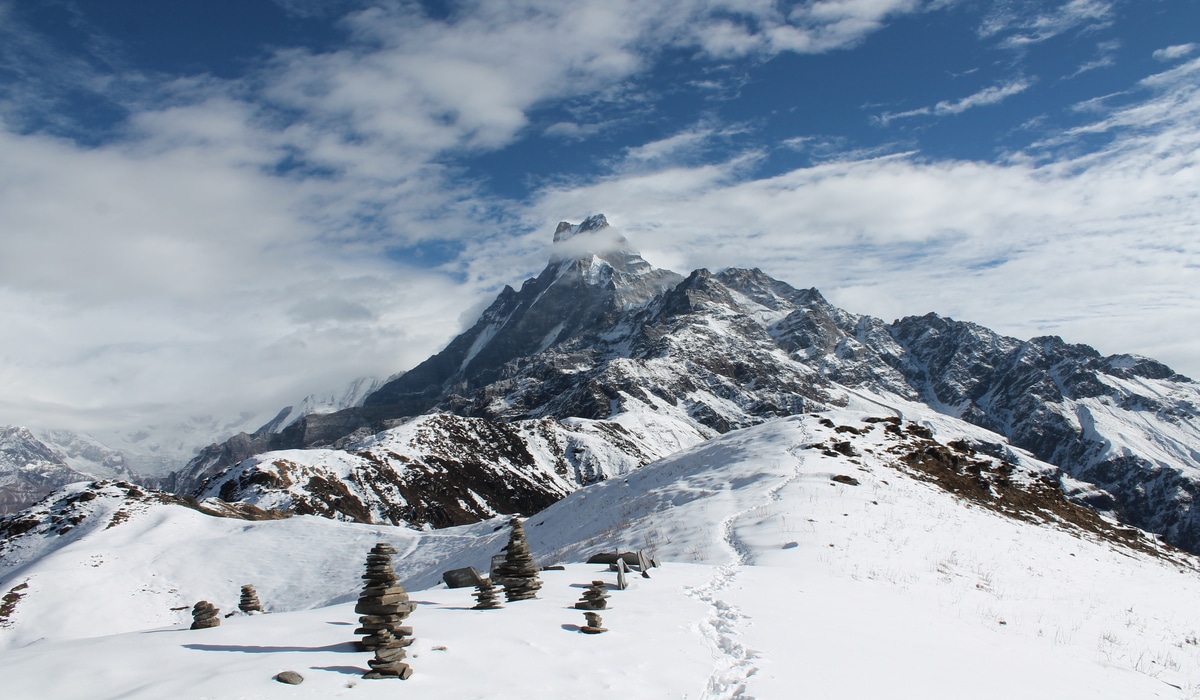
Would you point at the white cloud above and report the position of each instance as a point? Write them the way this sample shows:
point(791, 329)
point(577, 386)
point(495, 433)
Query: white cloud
point(987, 96)
point(144, 287)
point(1027, 22)
point(1106, 57)
point(808, 27)
point(1174, 53)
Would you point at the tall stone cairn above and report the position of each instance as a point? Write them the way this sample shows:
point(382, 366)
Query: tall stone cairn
point(205, 615)
point(249, 601)
point(383, 604)
point(518, 574)
point(485, 596)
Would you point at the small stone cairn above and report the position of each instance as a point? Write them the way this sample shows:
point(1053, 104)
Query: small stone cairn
point(205, 615)
point(389, 658)
point(249, 601)
point(594, 598)
point(594, 624)
point(383, 604)
point(485, 595)
point(518, 574)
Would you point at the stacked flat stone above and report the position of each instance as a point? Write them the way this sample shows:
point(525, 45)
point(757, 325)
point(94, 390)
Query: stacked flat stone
point(205, 615)
point(383, 604)
point(249, 601)
point(594, 598)
point(485, 596)
point(594, 624)
point(389, 659)
point(518, 574)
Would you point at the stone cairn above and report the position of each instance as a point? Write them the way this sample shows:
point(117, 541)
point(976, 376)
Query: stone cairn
point(205, 615)
point(594, 598)
point(485, 595)
point(389, 658)
point(249, 601)
point(593, 625)
point(383, 605)
point(518, 574)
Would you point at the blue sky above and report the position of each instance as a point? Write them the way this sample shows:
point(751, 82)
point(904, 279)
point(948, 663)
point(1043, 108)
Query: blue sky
point(212, 208)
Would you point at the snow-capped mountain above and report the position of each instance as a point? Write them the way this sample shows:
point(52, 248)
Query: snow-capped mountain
point(349, 396)
point(847, 553)
point(600, 333)
point(30, 469)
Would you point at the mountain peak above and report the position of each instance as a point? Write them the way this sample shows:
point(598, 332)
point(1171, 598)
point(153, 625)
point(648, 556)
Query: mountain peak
point(595, 239)
point(566, 230)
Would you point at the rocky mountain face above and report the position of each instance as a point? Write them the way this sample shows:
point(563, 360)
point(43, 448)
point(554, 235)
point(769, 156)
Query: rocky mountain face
point(443, 470)
point(601, 334)
point(30, 469)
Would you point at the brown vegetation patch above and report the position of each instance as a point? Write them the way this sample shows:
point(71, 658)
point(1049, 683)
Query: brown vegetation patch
point(989, 483)
point(8, 604)
point(331, 497)
point(238, 511)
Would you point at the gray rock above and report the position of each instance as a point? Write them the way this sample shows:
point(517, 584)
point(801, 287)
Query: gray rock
point(289, 677)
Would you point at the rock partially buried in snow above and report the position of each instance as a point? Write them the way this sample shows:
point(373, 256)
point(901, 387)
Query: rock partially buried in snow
point(289, 677)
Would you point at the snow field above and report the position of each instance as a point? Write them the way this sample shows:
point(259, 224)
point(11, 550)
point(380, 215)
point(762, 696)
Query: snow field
point(648, 652)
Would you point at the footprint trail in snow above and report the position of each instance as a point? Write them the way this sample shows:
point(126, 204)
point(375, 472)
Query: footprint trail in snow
point(735, 662)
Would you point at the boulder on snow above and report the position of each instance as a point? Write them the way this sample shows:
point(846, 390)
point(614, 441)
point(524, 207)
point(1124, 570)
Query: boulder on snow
point(289, 677)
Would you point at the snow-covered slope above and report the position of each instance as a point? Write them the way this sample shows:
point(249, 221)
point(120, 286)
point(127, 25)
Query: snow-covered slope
point(847, 554)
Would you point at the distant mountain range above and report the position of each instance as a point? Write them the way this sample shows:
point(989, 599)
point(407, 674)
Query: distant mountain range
point(603, 363)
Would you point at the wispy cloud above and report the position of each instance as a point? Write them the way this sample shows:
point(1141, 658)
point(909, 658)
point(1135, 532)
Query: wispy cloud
point(1176, 52)
point(1105, 57)
point(987, 96)
point(1025, 22)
